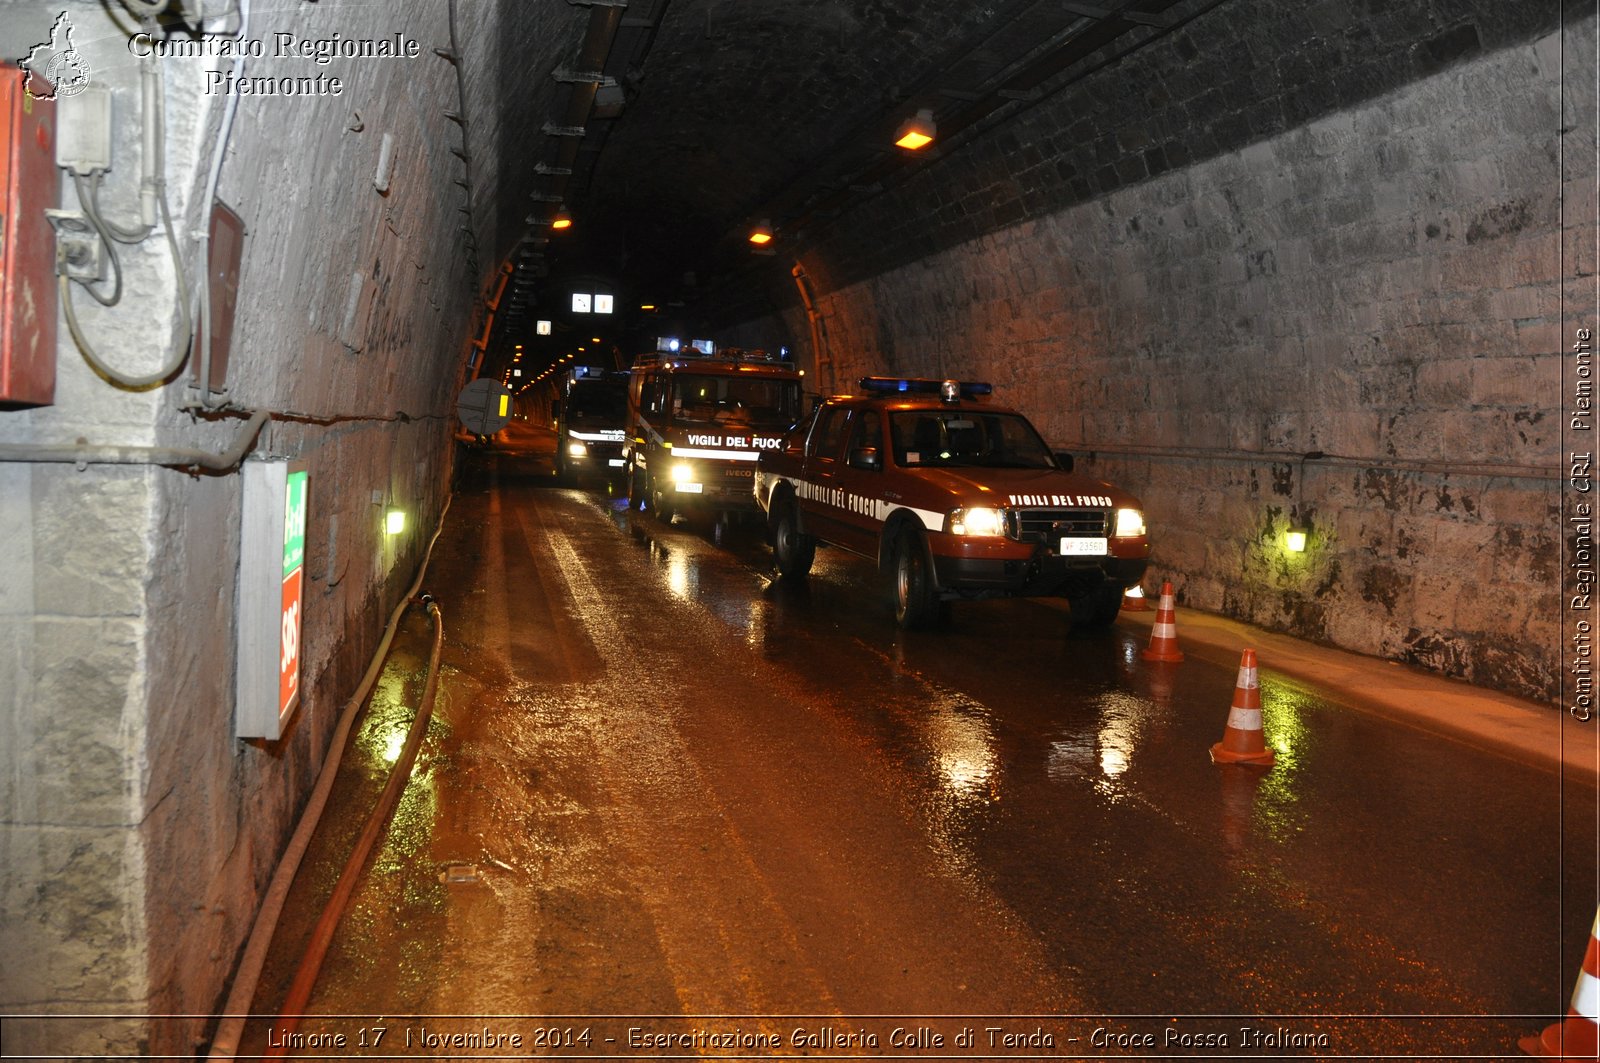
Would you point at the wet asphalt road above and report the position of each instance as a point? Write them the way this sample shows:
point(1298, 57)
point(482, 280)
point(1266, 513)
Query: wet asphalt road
point(698, 803)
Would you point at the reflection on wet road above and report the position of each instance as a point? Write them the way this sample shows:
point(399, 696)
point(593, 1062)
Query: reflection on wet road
point(660, 783)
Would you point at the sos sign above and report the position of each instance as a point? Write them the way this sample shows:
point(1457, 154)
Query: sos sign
point(271, 600)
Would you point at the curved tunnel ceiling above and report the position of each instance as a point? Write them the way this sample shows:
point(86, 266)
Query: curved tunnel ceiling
point(712, 115)
point(666, 128)
point(739, 100)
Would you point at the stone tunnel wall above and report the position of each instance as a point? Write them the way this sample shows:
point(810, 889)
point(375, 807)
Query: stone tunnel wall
point(1382, 285)
point(137, 833)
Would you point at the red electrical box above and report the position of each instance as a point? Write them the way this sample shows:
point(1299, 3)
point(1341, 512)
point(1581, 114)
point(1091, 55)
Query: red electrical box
point(29, 183)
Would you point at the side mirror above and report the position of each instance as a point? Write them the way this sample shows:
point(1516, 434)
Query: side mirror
point(866, 458)
point(1064, 460)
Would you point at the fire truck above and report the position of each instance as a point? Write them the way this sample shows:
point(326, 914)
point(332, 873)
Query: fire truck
point(590, 423)
point(955, 498)
point(697, 418)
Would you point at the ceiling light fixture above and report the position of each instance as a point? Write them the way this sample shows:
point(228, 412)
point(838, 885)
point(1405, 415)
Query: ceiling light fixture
point(761, 235)
point(562, 220)
point(916, 132)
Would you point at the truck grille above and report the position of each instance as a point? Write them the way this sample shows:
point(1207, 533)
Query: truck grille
point(1034, 525)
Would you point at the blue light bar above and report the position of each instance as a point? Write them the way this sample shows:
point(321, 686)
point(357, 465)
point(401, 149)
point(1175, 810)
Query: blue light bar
point(922, 385)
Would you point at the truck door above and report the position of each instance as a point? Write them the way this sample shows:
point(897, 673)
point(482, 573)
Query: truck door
point(859, 477)
point(822, 459)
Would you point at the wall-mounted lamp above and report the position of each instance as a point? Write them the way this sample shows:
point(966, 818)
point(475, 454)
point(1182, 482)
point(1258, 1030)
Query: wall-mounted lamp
point(916, 132)
point(1299, 533)
point(394, 522)
point(562, 220)
point(761, 235)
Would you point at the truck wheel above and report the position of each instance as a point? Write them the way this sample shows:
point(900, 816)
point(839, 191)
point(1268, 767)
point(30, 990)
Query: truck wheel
point(915, 603)
point(793, 550)
point(635, 490)
point(1096, 610)
point(661, 502)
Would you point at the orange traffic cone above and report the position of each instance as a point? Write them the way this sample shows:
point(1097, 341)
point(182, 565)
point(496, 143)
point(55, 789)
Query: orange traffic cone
point(1575, 1036)
point(1242, 740)
point(1164, 636)
point(1134, 601)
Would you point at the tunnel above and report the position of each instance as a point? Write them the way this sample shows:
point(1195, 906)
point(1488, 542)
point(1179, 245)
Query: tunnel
point(1324, 268)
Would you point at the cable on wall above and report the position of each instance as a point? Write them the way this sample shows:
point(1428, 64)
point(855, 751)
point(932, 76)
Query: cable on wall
point(1438, 468)
point(83, 454)
point(88, 198)
point(154, 186)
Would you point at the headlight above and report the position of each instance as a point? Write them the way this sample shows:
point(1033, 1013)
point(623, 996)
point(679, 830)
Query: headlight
point(1129, 522)
point(682, 473)
point(978, 520)
point(577, 450)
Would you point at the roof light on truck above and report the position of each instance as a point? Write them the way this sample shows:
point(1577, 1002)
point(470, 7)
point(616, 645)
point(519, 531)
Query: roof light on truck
point(889, 385)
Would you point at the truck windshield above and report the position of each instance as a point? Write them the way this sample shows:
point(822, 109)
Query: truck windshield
point(758, 401)
point(593, 400)
point(961, 437)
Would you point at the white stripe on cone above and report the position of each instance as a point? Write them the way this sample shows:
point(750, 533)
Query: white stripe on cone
point(1244, 719)
point(1586, 997)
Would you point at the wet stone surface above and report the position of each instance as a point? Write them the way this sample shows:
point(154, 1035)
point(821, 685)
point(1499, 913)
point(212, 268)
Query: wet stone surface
point(688, 791)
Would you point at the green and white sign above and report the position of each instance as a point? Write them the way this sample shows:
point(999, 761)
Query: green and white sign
point(294, 522)
point(294, 557)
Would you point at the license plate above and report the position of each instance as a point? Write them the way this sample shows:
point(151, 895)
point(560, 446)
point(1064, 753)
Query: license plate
point(1082, 547)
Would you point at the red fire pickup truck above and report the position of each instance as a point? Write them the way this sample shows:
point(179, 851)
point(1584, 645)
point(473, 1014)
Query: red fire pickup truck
point(955, 498)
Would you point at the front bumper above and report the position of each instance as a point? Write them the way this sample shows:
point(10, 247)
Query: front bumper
point(716, 488)
point(980, 568)
point(600, 458)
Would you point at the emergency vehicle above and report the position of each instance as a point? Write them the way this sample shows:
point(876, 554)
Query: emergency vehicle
point(696, 421)
point(591, 423)
point(954, 498)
